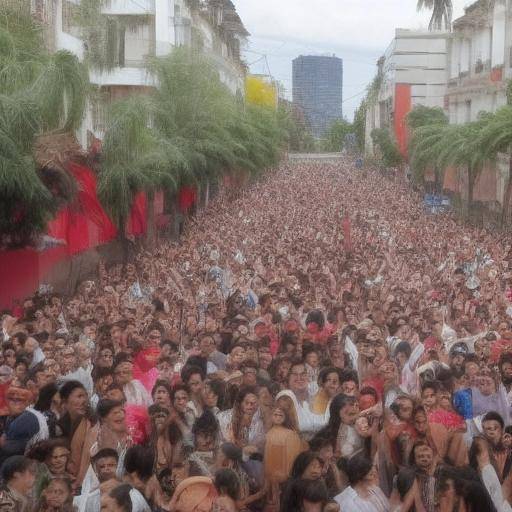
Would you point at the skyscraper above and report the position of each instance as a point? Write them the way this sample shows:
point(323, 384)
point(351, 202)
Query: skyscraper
point(318, 90)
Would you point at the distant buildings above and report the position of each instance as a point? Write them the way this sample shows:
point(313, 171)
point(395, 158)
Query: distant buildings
point(136, 31)
point(480, 56)
point(465, 72)
point(318, 90)
point(411, 72)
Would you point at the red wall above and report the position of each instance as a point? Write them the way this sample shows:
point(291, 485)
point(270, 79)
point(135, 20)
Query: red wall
point(22, 271)
point(80, 226)
point(403, 105)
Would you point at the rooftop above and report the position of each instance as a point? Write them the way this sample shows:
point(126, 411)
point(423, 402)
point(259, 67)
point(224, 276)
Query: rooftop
point(476, 16)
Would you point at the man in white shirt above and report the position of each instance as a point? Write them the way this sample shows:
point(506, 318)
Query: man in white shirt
point(298, 391)
point(33, 350)
point(104, 466)
point(70, 370)
point(134, 390)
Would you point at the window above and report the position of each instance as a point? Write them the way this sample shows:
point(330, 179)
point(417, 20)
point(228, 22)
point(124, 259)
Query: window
point(467, 111)
point(69, 12)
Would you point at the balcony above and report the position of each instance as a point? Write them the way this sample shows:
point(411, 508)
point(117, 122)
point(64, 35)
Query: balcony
point(129, 76)
point(129, 7)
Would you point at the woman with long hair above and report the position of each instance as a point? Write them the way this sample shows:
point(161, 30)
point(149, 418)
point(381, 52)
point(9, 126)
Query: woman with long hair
point(229, 456)
point(306, 496)
point(307, 465)
point(193, 377)
point(344, 411)
point(53, 456)
point(159, 437)
point(111, 431)
point(243, 425)
point(56, 496)
point(161, 394)
point(363, 493)
point(76, 425)
point(329, 381)
point(182, 417)
point(282, 445)
point(49, 404)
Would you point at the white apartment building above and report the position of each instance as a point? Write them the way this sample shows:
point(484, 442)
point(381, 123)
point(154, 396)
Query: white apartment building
point(412, 72)
point(480, 56)
point(479, 61)
point(142, 29)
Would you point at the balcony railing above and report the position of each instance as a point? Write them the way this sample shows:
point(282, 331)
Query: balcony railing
point(129, 7)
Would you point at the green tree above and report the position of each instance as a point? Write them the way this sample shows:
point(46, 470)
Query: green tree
point(421, 117)
point(389, 152)
point(442, 145)
point(39, 92)
point(442, 13)
point(334, 138)
point(496, 138)
point(359, 125)
point(189, 130)
point(298, 135)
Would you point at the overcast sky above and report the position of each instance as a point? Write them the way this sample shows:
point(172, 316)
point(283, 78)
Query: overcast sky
point(358, 31)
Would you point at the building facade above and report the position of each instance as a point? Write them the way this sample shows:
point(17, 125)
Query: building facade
point(133, 32)
point(318, 90)
point(480, 56)
point(411, 72)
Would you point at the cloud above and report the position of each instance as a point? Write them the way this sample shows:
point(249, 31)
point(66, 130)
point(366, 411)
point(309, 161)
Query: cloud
point(363, 24)
point(359, 31)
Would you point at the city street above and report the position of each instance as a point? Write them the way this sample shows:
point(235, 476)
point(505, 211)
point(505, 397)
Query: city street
point(255, 256)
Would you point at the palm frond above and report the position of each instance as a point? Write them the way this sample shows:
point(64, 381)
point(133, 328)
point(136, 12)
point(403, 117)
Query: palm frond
point(442, 13)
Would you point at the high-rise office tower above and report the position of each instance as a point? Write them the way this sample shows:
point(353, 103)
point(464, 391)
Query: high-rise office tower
point(318, 90)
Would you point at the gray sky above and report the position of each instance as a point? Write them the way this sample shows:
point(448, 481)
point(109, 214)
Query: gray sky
point(358, 31)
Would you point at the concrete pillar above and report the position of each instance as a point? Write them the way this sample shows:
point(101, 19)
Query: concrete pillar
point(164, 27)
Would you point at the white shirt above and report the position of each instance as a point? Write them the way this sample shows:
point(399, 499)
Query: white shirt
point(37, 357)
point(83, 377)
point(139, 503)
point(256, 435)
point(409, 381)
point(309, 423)
point(137, 394)
point(349, 501)
point(493, 486)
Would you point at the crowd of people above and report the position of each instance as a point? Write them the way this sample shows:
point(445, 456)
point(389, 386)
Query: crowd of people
point(315, 343)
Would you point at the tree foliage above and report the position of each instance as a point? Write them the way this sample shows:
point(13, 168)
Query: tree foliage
point(334, 139)
point(188, 130)
point(442, 13)
point(359, 125)
point(388, 148)
point(39, 92)
point(496, 136)
point(421, 115)
point(439, 145)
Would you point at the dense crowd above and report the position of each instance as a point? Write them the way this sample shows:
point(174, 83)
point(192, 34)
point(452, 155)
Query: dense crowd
point(316, 343)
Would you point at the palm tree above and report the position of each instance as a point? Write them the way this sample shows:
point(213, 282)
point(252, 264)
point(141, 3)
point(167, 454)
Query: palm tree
point(422, 117)
point(39, 93)
point(128, 145)
point(442, 145)
point(460, 147)
point(442, 12)
point(496, 138)
point(189, 130)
